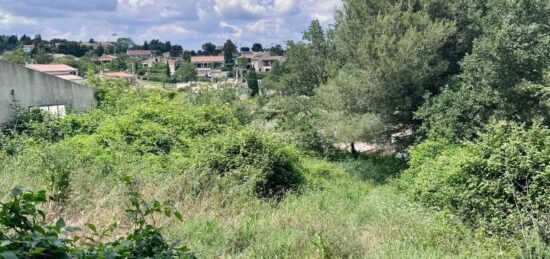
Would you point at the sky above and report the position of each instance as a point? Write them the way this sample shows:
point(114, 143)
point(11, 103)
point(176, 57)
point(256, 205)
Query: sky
point(186, 22)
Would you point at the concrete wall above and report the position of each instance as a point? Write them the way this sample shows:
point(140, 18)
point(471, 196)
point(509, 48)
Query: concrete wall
point(32, 88)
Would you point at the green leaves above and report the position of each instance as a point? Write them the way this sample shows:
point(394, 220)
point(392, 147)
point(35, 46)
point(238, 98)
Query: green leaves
point(27, 233)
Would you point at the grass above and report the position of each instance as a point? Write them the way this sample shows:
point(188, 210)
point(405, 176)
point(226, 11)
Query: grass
point(349, 209)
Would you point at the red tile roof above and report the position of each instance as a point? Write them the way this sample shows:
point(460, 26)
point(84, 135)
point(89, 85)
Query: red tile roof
point(207, 59)
point(139, 52)
point(51, 68)
point(106, 58)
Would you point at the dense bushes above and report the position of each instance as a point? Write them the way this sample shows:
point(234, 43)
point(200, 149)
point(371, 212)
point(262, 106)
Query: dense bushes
point(265, 167)
point(499, 184)
point(153, 131)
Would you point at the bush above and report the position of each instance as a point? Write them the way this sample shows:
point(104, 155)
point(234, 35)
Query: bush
point(499, 184)
point(251, 159)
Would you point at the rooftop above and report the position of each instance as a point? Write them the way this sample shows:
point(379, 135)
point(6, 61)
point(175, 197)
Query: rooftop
point(106, 58)
point(70, 77)
point(207, 59)
point(138, 52)
point(51, 68)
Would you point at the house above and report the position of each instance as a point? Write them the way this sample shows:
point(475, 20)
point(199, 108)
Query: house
point(30, 88)
point(59, 70)
point(139, 53)
point(131, 78)
point(106, 59)
point(28, 48)
point(172, 62)
point(207, 61)
point(260, 62)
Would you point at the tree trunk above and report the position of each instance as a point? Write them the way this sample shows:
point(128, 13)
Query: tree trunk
point(353, 150)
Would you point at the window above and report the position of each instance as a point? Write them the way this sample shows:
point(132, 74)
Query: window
point(56, 110)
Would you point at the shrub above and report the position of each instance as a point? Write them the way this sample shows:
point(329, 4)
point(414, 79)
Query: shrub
point(500, 184)
point(24, 232)
point(251, 158)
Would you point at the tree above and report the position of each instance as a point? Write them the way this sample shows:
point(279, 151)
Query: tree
point(25, 40)
point(252, 81)
point(99, 51)
point(123, 44)
point(17, 56)
point(245, 49)
point(209, 48)
point(305, 67)
point(176, 51)
point(186, 72)
point(186, 55)
point(503, 78)
point(257, 47)
point(228, 50)
point(145, 45)
point(277, 50)
point(42, 57)
point(397, 47)
point(345, 116)
point(37, 39)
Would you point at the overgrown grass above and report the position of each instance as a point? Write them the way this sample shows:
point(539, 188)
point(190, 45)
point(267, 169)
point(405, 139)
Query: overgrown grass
point(245, 192)
point(338, 214)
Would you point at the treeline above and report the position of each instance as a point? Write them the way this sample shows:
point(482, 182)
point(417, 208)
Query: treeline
point(121, 45)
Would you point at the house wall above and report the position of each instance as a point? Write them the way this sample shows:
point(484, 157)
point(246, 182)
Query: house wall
point(32, 88)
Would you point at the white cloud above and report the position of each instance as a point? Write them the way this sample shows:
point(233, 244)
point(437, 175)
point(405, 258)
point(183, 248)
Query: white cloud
point(166, 32)
point(8, 20)
point(186, 22)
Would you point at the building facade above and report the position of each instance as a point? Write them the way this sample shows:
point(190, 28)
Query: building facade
point(28, 89)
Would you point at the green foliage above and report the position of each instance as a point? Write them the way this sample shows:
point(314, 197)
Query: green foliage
point(186, 72)
point(252, 81)
point(503, 78)
point(24, 232)
point(263, 166)
point(18, 57)
point(498, 184)
point(397, 49)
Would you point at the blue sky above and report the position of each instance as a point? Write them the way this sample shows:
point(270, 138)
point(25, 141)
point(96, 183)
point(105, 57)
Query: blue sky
point(186, 22)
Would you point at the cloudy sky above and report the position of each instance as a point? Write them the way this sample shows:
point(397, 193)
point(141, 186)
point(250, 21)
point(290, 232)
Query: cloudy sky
point(186, 22)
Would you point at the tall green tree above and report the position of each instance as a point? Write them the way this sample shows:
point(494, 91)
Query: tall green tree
point(229, 49)
point(257, 47)
point(209, 48)
point(503, 78)
point(399, 51)
point(252, 81)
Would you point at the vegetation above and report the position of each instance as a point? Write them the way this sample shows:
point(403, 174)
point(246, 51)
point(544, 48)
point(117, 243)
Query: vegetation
point(269, 176)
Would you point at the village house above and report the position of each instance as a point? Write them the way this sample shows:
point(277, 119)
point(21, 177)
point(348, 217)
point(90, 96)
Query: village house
point(58, 70)
point(28, 48)
point(130, 78)
point(106, 59)
point(164, 59)
point(261, 62)
point(34, 87)
point(139, 53)
point(208, 66)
